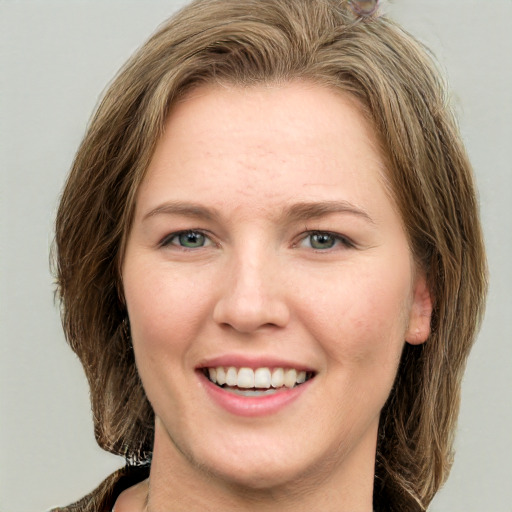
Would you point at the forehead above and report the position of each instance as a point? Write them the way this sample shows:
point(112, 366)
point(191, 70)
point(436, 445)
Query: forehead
point(267, 144)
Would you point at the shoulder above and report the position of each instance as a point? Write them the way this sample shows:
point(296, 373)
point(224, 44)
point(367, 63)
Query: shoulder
point(133, 498)
point(102, 499)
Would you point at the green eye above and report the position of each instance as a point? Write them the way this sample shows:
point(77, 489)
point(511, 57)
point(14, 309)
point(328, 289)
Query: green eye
point(325, 241)
point(187, 240)
point(191, 239)
point(322, 240)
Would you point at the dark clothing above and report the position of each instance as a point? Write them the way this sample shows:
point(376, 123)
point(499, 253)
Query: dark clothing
point(103, 498)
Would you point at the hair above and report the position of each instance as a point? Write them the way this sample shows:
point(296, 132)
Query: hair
point(249, 42)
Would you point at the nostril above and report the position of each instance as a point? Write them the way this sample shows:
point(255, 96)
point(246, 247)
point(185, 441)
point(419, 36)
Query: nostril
point(246, 316)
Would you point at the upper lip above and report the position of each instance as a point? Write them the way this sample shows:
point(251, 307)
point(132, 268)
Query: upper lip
point(244, 361)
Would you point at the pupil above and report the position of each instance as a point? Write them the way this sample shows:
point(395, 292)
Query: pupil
point(322, 241)
point(192, 239)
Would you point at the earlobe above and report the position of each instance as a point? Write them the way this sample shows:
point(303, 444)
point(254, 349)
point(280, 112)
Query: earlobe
point(420, 314)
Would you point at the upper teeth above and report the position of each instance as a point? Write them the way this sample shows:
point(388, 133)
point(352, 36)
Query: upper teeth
point(258, 378)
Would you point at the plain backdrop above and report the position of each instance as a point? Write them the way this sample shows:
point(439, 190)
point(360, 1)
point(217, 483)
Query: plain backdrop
point(55, 59)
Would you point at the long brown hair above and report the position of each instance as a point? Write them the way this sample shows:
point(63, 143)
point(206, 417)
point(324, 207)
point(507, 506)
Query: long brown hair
point(244, 42)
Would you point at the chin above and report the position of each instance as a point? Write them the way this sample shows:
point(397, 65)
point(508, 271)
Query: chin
point(259, 476)
point(265, 464)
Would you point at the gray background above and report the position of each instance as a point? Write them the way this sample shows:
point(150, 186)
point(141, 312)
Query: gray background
point(55, 58)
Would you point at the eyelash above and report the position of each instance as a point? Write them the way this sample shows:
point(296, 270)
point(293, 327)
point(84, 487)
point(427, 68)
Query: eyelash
point(336, 237)
point(168, 239)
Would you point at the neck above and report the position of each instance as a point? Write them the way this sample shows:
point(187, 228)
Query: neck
point(178, 483)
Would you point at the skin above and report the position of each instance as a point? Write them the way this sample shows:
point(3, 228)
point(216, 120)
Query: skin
point(261, 286)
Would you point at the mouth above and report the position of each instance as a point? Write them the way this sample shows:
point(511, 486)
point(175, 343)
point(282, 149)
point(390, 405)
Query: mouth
point(258, 381)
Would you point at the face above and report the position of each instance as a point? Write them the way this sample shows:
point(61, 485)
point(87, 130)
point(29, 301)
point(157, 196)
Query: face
point(269, 285)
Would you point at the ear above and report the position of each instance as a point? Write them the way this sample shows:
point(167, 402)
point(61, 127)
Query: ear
point(420, 313)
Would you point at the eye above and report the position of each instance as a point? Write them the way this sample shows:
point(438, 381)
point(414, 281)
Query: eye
point(323, 240)
point(187, 239)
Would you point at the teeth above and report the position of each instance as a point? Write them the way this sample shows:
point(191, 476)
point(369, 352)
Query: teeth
point(252, 392)
point(245, 378)
point(278, 378)
point(231, 376)
point(290, 377)
point(260, 378)
point(221, 376)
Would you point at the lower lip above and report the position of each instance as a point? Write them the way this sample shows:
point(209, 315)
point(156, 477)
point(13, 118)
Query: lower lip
point(251, 406)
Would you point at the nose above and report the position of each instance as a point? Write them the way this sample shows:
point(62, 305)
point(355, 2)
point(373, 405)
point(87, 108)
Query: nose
point(252, 295)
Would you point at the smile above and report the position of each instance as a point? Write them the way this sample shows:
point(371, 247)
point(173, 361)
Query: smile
point(256, 382)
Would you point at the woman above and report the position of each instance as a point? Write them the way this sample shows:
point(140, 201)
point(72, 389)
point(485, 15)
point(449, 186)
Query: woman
point(271, 266)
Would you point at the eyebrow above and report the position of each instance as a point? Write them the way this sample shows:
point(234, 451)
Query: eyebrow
point(296, 212)
point(313, 210)
point(182, 208)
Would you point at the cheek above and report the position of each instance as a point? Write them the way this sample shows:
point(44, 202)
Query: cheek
point(362, 320)
point(165, 310)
